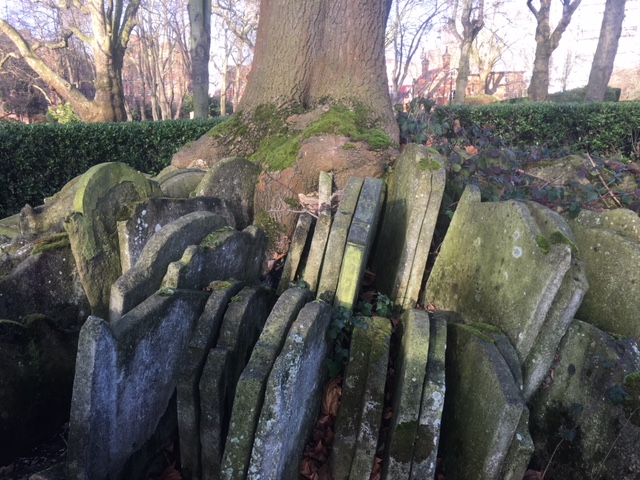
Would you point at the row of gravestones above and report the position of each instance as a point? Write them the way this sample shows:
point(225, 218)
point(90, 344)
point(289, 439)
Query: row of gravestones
point(504, 267)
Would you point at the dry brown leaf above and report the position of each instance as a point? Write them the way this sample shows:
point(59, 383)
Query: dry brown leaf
point(331, 398)
point(171, 473)
point(471, 149)
point(456, 126)
point(324, 473)
point(532, 475)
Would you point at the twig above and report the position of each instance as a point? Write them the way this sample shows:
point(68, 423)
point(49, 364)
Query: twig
point(603, 182)
point(614, 442)
point(551, 458)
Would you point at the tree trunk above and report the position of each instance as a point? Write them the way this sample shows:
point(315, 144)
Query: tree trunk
point(463, 74)
point(311, 50)
point(546, 43)
point(200, 20)
point(605, 55)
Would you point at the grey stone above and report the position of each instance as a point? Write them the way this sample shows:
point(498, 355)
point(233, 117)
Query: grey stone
point(144, 219)
point(163, 248)
point(416, 187)
point(223, 254)
point(359, 242)
point(46, 283)
point(251, 386)
point(611, 264)
point(313, 265)
point(337, 240)
point(203, 340)
point(180, 183)
point(591, 402)
point(296, 249)
point(92, 226)
point(492, 269)
point(620, 220)
point(411, 369)
point(233, 180)
point(125, 375)
point(425, 451)
point(360, 415)
point(515, 463)
point(292, 398)
point(483, 406)
point(241, 327)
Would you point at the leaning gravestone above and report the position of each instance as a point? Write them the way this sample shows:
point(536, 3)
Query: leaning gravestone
point(146, 218)
point(92, 225)
point(359, 242)
point(296, 250)
point(483, 408)
point(180, 183)
point(250, 390)
point(360, 415)
point(292, 397)
point(416, 187)
point(126, 374)
point(204, 339)
point(163, 248)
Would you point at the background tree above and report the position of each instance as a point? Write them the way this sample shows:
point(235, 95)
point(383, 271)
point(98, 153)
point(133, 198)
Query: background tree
point(200, 23)
point(109, 29)
point(605, 55)
point(471, 18)
point(546, 43)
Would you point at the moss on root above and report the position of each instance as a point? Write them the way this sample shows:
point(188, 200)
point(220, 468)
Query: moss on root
point(52, 242)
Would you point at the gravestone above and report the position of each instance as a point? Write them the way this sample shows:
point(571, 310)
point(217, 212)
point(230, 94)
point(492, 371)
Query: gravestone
point(180, 183)
point(304, 228)
point(416, 187)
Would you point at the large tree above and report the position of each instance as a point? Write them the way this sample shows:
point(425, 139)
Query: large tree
point(200, 22)
point(110, 25)
point(546, 43)
point(605, 55)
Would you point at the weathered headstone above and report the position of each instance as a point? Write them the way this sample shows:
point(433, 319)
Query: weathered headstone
point(585, 423)
point(92, 226)
point(125, 375)
point(313, 265)
point(241, 326)
point(250, 390)
point(292, 397)
point(359, 242)
point(233, 180)
point(144, 219)
point(294, 257)
point(610, 249)
point(204, 339)
point(337, 240)
point(180, 183)
point(416, 187)
point(163, 248)
point(483, 406)
point(223, 254)
point(494, 268)
point(360, 415)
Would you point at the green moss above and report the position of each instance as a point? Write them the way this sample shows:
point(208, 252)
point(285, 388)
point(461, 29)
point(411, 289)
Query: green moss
point(560, 238)
point(485, 327)
point(216, 238)
point(292, 202)
point(233, 127)
point(218, 285)
point(276, 153)
point(477, 332)
point(165, 292)
point(404, 438)
point(273, 229)
point(349, 146)
point(632, 385)
point(543, 243)
point(236, 299)
point(427, 165)
point(52, 242)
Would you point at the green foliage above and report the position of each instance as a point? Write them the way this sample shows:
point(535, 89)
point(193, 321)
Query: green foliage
point(62, 114)
point(37, 160)
point(579, 94)
point(422, 121)
point(343, 322)
point(381, 307)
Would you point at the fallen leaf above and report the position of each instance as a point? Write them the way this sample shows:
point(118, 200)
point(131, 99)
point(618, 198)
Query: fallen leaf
point(471, 149)
point(171, 473)
point(532, 475)
point(331, 398)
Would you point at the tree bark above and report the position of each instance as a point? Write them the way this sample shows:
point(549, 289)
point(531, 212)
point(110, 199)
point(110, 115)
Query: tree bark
point(546, 43)
point(312, 50)
point(200, 20)
point(605, 55)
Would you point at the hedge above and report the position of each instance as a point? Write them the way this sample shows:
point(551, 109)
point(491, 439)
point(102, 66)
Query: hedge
point(36, 161)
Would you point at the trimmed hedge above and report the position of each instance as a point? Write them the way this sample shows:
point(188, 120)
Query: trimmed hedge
point(601, 128)
point(36, 161)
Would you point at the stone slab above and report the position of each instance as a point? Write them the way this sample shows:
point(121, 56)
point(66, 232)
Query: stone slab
point(416, 187)
point(223, 254)
point(125, 375)
point(147, 218)
point(292, 398)
point(163, 248)
point(411, 370)
point(361, 234)
point(304, 229)
point(337, 240)
point(483, 406)
point(313, 265)
point(491, 269)
point(620, 220)
point(519, 454)
point(181, 183)
point(233, 180)
point(360, 416)
point(203, 340)
point(250, 390)
point(241, 327)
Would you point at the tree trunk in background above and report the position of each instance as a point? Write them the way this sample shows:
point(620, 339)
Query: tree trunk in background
point(605, 55)
point(546, 43)
point(200, 20)
point(311, 50)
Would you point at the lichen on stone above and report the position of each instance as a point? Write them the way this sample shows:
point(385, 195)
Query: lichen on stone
point(53, 242)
